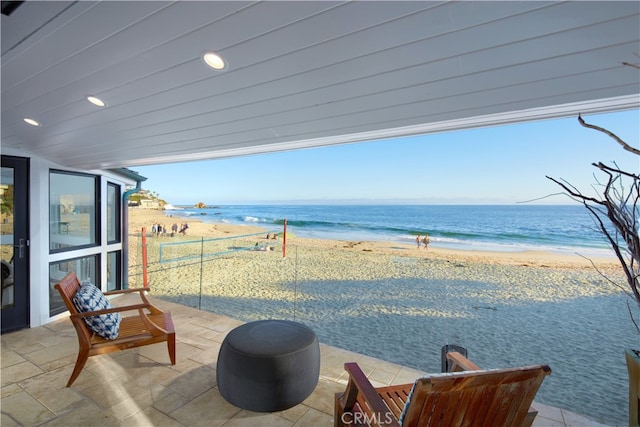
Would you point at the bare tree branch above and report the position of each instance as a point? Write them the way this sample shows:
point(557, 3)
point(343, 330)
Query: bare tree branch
point(631, 65)
point(616, 211)
point(613, 283)
point(544, 197)
point(611, 134)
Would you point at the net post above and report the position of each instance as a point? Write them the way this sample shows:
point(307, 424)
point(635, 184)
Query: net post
point(145, 281)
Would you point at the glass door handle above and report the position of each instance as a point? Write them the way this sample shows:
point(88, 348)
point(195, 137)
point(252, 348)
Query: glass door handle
point(22, 243)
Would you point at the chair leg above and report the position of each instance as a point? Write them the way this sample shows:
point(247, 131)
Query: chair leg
point(343, 405)
point(83, 355)
point(338, 412)
point(171, 343)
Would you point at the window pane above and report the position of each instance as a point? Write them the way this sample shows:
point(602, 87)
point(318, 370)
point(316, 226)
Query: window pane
point(113, 213)
point(113, 271)
point(85, 268)
point(73, 214)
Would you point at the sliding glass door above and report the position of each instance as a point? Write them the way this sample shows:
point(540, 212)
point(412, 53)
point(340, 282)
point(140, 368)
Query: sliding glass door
point(14, 242)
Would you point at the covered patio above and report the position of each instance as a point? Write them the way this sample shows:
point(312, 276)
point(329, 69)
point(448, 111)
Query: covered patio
point(139, 387)
point(91, 88)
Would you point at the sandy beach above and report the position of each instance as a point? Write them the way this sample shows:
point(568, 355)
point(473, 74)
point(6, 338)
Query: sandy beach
point(401, 303)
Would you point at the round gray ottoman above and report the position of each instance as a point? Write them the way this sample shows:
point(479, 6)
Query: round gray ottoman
point(268, 365)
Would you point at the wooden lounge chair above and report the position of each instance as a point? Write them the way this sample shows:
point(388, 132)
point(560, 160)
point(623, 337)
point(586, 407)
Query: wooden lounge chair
point(149, 325)
point(497, 397)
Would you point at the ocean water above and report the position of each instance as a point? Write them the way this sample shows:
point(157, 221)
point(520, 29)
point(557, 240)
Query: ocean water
point(559, 229)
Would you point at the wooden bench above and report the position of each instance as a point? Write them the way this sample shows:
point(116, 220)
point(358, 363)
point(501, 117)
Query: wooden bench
point(149, 325)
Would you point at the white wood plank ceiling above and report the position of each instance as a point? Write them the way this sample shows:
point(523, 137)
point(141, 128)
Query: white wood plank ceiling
point(300, 73)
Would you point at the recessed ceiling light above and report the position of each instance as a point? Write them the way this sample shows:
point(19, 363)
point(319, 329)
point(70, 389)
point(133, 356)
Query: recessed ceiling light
point(30, 121)
point(214, 60)
point(96, 101)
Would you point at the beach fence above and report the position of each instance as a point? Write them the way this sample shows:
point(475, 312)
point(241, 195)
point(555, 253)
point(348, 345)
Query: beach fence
point(156, 260)
point(245, 276)
point(170, 252)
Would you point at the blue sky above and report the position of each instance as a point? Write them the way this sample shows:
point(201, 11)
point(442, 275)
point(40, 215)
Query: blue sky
point(494, 165)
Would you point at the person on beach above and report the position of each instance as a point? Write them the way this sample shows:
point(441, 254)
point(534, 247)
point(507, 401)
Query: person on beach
point(183, 228)
point(426, 241)
point(257, 247)
point(418, 241)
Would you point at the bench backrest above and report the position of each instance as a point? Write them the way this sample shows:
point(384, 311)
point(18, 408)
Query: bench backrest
point(67, 288)
point(499, 397)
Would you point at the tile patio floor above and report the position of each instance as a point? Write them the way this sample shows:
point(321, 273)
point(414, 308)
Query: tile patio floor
point(139, 387)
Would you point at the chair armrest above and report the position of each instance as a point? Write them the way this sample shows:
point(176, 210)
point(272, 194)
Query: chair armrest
point(142, 292)
point(461, 363)
point(366, 390)
point(109, 310)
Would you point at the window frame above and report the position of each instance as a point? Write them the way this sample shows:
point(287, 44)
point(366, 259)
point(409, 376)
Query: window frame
point(54, 295)
point(116, 211)
point(97, 219)
point(113, 278)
